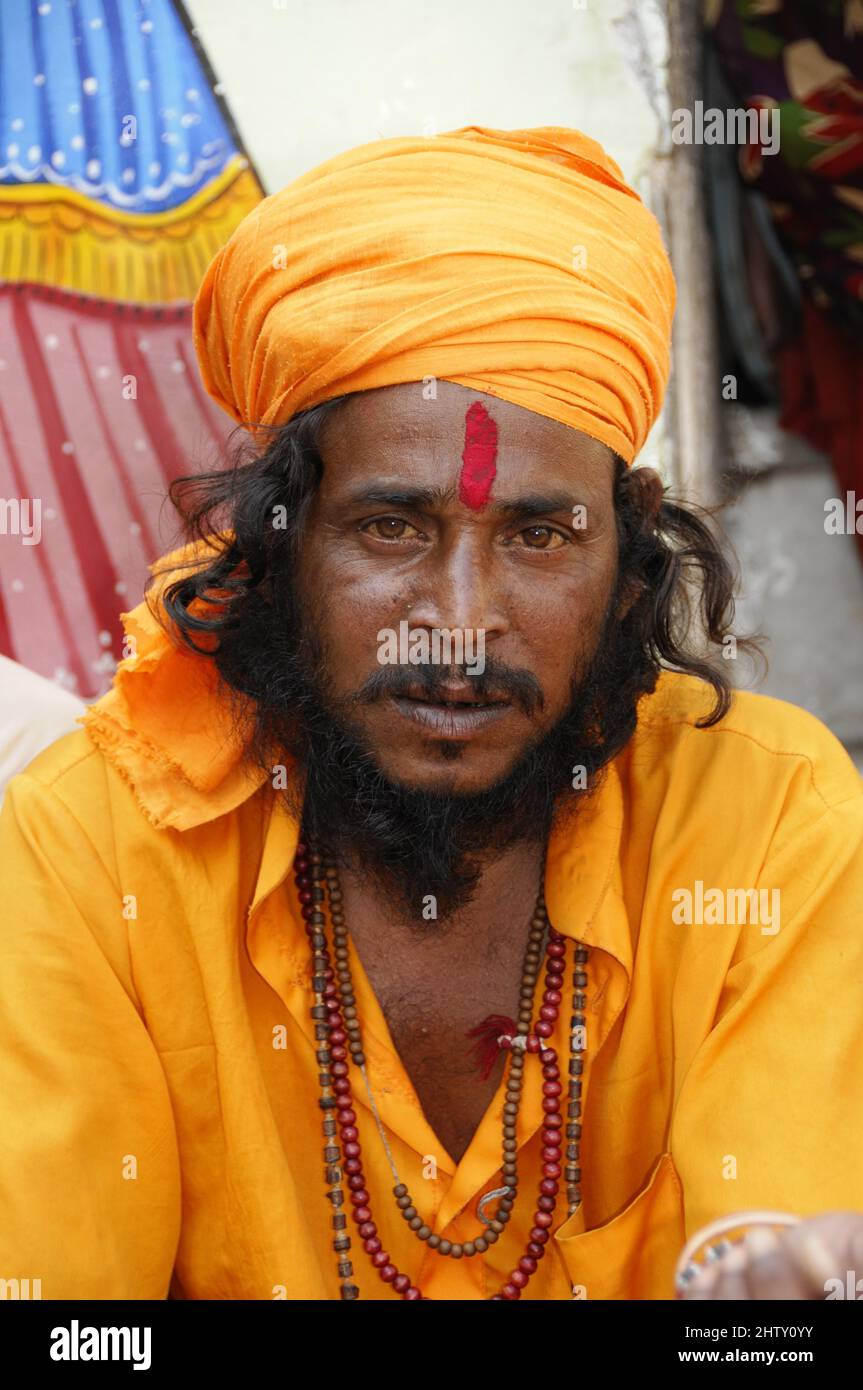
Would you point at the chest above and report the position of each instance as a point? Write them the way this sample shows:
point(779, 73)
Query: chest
point(429, 1011)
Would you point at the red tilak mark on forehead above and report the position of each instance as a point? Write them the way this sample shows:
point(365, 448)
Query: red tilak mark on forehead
point(480, 452)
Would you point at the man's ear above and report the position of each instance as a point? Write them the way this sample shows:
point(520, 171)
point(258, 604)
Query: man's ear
point(646, 491)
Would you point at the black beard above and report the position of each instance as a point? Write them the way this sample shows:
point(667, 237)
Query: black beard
point(411, 843)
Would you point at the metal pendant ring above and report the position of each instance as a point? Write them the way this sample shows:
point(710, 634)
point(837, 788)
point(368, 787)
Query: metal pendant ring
point(490, 1197)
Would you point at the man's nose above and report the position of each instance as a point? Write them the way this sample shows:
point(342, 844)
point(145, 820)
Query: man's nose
point(460, 590)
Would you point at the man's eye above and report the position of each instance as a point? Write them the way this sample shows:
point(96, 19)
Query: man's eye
point(542, 538)
point(389, 528)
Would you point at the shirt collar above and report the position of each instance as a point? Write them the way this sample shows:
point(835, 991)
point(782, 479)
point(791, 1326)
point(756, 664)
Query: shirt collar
point(583, 884)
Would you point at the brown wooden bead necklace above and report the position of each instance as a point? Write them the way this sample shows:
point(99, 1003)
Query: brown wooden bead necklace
point(337, 1031)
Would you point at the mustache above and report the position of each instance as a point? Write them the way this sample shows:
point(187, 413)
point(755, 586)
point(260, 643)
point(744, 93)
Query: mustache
point(498, 681)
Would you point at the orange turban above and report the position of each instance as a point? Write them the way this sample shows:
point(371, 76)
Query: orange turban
point(517, 263)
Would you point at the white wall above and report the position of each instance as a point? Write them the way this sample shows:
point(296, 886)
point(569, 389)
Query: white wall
point(309, 78)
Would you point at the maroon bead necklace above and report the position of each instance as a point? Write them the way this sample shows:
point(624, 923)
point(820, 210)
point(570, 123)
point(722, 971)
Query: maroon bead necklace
point(337, 1033)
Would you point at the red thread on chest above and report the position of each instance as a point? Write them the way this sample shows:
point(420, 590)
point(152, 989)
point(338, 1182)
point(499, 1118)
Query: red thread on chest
point(486, 1050)
point(478, 459)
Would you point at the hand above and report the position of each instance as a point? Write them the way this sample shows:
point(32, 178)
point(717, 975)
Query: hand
point(796, 1262)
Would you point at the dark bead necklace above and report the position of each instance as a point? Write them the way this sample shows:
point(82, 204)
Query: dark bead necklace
point(337, 1032)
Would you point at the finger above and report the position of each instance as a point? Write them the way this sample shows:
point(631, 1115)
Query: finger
point(731, 1282)
point(814, 1259)
point(771, 1271)
point(701, 1287)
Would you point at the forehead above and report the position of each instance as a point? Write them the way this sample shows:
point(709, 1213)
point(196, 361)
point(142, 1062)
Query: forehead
point(399, 426)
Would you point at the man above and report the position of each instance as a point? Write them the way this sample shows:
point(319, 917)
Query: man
point(272, 1024)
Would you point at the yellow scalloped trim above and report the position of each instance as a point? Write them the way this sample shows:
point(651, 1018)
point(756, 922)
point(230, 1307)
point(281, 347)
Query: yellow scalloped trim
point(63, 239)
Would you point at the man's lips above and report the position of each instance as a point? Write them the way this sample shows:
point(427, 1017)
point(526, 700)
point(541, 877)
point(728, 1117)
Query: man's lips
point(462, 694)
point(454, 713)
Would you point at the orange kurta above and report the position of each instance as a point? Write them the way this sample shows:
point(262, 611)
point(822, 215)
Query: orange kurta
point(158, 1097)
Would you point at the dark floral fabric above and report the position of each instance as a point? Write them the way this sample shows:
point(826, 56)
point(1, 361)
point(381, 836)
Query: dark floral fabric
point(805, 58)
